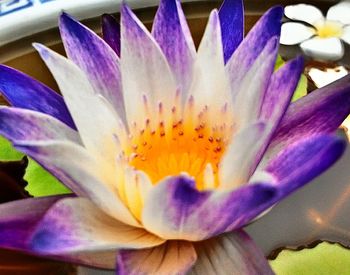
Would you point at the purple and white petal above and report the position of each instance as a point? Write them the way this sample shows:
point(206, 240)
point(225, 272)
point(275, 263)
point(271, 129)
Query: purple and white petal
point(21, 125)
point(322, 111)
point(190, 214)
point(293, 33)
point(249, 92)
point(303, 12)
point(268, 26)
point(232, 253)
point(147, 76)
point(81, 173)
point(172, 258)
point(95, 119)
point(302, 161)
point(346, 34)
point(340, 12)
point(231, 15)
point(210, 86)
point(98, 61)
point(77, 225)
point(19, 218)
point(111, 32)
point(323, 48)
point(171, 31)
point(236, 164)
point(22, 91)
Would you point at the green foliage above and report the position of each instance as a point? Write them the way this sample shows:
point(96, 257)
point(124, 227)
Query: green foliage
point(41, 183)
point(324, 259)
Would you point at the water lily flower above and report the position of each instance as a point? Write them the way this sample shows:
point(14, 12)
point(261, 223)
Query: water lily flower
point(169, 150)
point(320, 37)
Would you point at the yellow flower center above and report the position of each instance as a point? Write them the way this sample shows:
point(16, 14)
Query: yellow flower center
point(328, 29)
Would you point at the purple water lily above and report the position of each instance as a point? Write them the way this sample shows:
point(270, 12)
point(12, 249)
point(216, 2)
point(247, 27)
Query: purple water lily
point(170, 150)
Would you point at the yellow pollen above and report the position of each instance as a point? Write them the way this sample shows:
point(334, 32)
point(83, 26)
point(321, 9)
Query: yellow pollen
point(179, 148)
point(329, 29)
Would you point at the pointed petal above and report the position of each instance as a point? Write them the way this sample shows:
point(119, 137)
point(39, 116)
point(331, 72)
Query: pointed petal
point(82, 173)
point(323, 48)
point(95, 58)
point(23, 91)
point(210, 85)
point(171, 31)
point(19, 218)
point(145, 71)
point(322, 111)
point(302, 161)
point(111, 32)
point(231, 15)
point(303, 12)
point(249, 92)
point(340, 12)
point(171, 258)
point(236, 164)
point(96, 121)
point(75, 225)
point(268, 26)
point(189, 214)
point(346, 34)
point(21, 125)
point(233, 253)
point(294, 33)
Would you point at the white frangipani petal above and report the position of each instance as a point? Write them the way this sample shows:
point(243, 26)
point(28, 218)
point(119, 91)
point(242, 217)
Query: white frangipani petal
point(97, 123)
point(340, 12)
point(210, 83)
point(323, 48)
point(346, 34)
point(293, 33)
point(303, 12)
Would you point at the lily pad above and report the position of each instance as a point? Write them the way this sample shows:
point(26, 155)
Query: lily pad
point(324, 259)
point(40, 182)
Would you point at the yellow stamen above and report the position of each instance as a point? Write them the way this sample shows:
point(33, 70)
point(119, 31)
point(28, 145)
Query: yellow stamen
point(328, 29)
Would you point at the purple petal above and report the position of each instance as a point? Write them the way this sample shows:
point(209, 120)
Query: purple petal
point(23, 91)
point(95, 58)
point(82, 173)
point(244, 57)
point(302, 161)
point(321, 111)
point(231, 15)
point(111, 32)
point(18, 220)
point(171, 31)
point(233, 253)
point(280, 90)
point(21, 125)
point(77, 225)
point(189, 214)
point(173, 257)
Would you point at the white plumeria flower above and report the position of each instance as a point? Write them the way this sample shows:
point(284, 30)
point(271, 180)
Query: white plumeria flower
point(322, 39)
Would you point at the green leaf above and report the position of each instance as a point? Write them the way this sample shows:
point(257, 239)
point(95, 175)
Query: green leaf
point(324, 259)
point(40, 182)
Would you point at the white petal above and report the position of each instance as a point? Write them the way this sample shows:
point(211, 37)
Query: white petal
point(146, 74)
point(96, 122)
point(340, 12)
point(293, 33)
point(346, 34)
point(323, 48)
point(210, 85)
point(235, 166)
point(323, 78)
point(303, 12)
